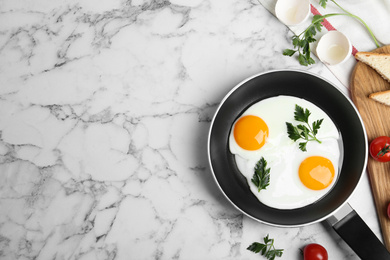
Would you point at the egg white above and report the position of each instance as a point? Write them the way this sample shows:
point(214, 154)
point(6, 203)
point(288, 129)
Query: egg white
point(283, 155)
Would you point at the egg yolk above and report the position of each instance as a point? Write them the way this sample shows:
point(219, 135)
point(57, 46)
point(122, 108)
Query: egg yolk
point(316, 172)
point(250, 132)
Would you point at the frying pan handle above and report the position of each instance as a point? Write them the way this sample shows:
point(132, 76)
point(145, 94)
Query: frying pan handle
point(355, 232)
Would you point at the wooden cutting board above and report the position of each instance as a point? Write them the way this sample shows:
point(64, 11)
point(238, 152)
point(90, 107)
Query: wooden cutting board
point(376, 118)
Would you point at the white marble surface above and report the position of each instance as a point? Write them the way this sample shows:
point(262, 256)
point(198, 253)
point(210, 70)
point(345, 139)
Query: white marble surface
point(105, 108)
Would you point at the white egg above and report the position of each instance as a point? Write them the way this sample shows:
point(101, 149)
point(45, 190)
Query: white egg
point(283, 156)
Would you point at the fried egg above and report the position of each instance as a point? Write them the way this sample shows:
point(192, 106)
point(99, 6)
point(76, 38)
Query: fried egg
point(297, 178)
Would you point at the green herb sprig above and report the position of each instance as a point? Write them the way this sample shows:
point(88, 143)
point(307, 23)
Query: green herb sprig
point(267, 249)
point(261, 177)
point(306, 132)
point(302, 41)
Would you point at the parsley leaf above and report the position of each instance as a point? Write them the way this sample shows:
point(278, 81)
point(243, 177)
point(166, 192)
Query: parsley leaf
point(267, 249)
point(316, 126)
point(305, 131)
point(293, 132)
point(323, 3)
point(289, 52)
point(261, 176)
point(301, 115)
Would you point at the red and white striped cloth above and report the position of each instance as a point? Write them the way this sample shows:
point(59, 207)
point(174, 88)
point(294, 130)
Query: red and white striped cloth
point(376, 14)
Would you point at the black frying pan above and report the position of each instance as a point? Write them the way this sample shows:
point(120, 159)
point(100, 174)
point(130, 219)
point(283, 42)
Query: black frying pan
point(333, 206)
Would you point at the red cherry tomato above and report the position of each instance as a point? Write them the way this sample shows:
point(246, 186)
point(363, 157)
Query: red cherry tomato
point(388, 210)
point(380, 149)
point(315, 252)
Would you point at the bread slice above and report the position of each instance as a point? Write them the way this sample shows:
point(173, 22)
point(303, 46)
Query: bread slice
point(378, 61)
point(382, 97)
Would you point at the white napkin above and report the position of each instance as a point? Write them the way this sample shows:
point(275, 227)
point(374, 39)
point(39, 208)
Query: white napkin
point(375, 13)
